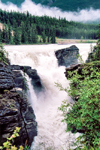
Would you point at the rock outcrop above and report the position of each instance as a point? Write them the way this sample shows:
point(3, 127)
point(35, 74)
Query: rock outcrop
point(6, 77)
point(82, 69)
point(35, 79)
point(67, 56)
point(15, 111)
point(32, 73)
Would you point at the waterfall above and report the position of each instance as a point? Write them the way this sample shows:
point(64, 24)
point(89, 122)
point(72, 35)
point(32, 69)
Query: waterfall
point(51, 131)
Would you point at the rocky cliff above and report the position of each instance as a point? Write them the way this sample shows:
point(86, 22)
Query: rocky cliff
point(15, 110)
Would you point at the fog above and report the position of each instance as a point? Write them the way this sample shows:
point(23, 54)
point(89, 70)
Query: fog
point(39, 10)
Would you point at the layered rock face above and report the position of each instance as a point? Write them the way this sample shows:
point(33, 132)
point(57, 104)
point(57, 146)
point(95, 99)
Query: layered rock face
point(6, 77)
point(15, 111)
point(67, 56)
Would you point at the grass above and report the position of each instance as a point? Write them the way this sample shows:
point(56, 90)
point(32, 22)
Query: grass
point(70, 41)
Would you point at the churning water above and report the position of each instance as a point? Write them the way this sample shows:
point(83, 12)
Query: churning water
point(51, 131)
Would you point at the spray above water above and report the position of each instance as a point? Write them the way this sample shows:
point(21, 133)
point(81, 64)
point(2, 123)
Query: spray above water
point(39, 10)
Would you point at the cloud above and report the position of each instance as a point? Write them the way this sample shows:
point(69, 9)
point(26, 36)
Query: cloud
point(39, 10)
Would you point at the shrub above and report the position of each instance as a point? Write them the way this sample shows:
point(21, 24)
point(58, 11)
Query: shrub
point(84, 115)
point(8, 145)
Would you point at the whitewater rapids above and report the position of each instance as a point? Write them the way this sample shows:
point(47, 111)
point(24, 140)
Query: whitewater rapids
point(51, 131)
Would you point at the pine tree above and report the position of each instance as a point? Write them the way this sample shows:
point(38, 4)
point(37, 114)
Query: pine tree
point(34, 34)
point(43, 37)
point(17, 36)
point(9, 33)
point(53, 35)
point(0, 36)
point(23, 34)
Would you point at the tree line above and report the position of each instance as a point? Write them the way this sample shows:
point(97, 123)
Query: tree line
point(24, 28)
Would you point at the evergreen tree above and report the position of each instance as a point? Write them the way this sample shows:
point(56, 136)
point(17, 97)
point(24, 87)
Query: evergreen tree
point(53, 35)
point(43, 37)
point(0, 36)
point(6, 35)
point(9, 33)
point(23, 34)
point(3, 34)
point(34, 35)
point(17, 36)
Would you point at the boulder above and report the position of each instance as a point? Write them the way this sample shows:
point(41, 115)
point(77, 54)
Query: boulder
point(67, 56)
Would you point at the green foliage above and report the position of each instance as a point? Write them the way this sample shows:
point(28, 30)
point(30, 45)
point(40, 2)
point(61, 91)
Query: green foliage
point(43, 37)
point(8, 145)
point(53, 36)
point(3, 54)
point(27, 147)
point(96, 54)
point(84, 115)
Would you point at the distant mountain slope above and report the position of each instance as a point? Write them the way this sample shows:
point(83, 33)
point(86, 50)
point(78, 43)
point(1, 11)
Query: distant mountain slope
point(71, 5)
point(66, 5)
point(17, 2)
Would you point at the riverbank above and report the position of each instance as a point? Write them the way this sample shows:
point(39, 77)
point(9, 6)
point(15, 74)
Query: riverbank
point(71, 41)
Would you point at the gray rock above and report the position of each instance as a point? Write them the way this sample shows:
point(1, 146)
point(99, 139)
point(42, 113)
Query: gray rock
point(16, 112)
point(15, 67)
point(67, 56)
point(36, 81)
point(25, 68)
point(19, 79)
point(6, 77)
point(32, 73)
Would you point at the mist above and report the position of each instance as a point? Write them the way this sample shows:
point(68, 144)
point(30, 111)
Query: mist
point(39, 10)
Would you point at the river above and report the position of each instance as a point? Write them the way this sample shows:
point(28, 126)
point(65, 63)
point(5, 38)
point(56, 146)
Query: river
point(51, 131)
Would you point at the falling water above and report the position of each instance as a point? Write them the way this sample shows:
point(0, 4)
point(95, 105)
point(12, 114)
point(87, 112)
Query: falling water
point(51, 131)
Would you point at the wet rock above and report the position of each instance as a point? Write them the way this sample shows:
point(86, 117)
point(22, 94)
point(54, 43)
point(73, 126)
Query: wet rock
point(67, 56)
point(18, 67)
point(6, 77)
point(36, 81)
point(25, 68)
point(32, 73)
point(15, 111)
point(19, 80)
point(15, 67)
